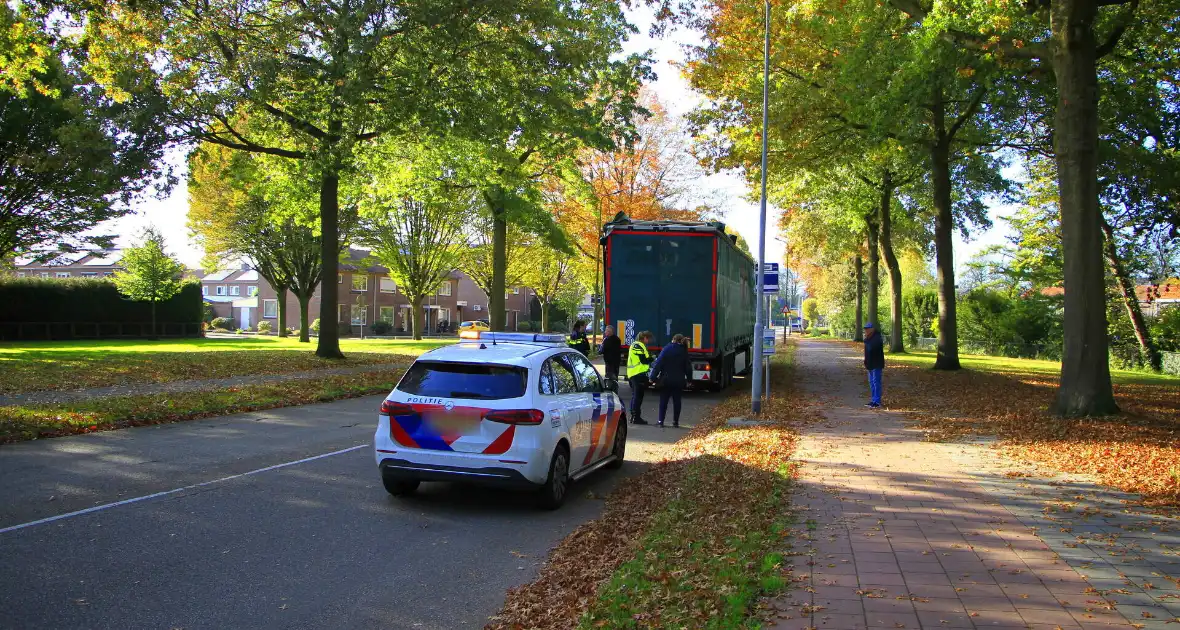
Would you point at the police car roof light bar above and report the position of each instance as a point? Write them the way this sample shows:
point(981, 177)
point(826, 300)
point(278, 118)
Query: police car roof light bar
point(505, 337)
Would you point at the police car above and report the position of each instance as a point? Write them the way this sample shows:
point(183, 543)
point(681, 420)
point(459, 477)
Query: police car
point(506, 409)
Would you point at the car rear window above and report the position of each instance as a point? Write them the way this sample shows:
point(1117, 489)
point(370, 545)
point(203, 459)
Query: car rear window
point(464, 380)
point(467, 324)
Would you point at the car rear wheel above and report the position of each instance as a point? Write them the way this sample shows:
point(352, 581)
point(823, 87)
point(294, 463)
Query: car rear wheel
point(399, 487)
point(552, 494)
point(620, 447)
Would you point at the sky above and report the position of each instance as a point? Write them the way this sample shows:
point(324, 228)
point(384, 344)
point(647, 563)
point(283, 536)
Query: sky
point(740, 209)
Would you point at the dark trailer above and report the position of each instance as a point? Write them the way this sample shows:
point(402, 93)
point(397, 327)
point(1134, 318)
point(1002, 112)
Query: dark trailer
point(689, 278)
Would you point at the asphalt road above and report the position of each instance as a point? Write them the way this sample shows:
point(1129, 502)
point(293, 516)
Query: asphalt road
point(303, 537)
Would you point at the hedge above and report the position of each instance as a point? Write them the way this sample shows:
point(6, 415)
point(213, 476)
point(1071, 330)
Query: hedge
point(50, 308)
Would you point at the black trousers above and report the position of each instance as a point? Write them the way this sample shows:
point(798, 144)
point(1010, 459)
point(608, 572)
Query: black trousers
point(612, 372)
point(638, 389)
point(672, 393)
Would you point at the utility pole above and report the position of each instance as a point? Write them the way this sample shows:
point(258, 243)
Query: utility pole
point(756, 381)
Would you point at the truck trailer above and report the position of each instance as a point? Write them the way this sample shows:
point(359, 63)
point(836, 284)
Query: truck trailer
point(680, 277)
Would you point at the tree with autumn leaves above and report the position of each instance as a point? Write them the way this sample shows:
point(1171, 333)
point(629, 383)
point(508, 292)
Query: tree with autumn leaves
point(967, 85)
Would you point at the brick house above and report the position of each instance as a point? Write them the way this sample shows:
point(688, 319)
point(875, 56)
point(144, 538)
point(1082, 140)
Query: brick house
point(234, 294)
point(366, 294)
point(88, 265)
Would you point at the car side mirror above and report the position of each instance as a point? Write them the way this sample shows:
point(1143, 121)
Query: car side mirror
point(612, 386)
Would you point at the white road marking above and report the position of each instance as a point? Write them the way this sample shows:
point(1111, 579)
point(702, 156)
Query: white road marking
point(174, 491)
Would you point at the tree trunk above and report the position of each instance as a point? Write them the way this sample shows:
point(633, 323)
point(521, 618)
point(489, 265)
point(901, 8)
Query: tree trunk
point(282, 293)
point(896, 344)
point(859, 333)
point(1130, 300)
point(944, 244)
point(417, 317)
point(874, 300)
point(328, 346)
point(1085, 388)
point(304, 324)
point(154, 336)
point(499, 269)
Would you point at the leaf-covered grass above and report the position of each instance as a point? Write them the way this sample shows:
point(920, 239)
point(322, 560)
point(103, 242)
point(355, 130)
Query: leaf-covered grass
point(19, 423)
point(1137, 450)
point(1027, 367)
point(37, 366)
point(691, 543)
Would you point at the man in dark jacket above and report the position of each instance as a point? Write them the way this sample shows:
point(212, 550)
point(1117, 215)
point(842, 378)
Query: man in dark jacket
point(874, 363)
point(610, 348)
point(672, 371)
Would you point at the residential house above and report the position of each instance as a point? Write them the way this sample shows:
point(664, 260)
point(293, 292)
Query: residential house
point(88, 265)
point(473, 303)
point(1154, 298)
point(234, 294)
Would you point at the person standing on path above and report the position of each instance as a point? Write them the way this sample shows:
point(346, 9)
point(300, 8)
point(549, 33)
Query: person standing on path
point(610, 350)
point(638, 362)
point(578, 339)
point(874, 363)
point(672, 371)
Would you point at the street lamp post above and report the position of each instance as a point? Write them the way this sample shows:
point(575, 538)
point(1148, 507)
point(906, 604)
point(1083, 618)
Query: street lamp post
point(756, 384)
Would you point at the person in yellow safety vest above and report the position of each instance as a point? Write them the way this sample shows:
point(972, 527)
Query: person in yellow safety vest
point(578, 339)
point(638, 362)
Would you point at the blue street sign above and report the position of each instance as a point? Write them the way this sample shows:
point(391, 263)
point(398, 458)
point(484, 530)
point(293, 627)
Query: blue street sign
point(770, 278)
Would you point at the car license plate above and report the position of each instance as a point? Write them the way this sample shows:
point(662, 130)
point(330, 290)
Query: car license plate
point(451, 423)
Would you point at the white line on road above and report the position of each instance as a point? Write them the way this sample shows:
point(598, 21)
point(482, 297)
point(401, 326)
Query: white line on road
point(168, 492)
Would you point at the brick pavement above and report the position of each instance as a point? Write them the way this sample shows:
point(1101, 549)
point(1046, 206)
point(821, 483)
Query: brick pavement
point(895, 532)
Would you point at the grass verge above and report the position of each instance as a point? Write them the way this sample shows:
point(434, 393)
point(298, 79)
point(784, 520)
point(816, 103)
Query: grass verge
point(40, 366)
point(18, 423)
point(1137, 450)
point(691, 543)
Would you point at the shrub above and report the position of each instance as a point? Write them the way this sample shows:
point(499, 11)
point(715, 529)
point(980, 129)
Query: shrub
point(381, 327)
point(525, 327)
point(1165, 329)
point(94, 302)
point(222, 323)
point(265, 327)
point(558, 327)
point(315, 326)
point(919, 314)
point(811, 311)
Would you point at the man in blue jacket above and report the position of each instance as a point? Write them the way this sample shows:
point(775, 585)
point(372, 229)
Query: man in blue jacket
point(874, 363)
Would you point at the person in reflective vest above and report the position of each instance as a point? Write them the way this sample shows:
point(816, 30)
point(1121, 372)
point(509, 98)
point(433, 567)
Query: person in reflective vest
point(638, 362)
point(578, 339)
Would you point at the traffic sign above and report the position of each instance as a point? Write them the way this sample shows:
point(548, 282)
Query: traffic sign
point(769, 278)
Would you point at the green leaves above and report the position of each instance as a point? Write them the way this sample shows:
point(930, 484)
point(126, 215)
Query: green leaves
point(151, 274)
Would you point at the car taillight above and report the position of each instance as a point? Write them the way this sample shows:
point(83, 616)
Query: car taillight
point(391, 408)
point(516, 416)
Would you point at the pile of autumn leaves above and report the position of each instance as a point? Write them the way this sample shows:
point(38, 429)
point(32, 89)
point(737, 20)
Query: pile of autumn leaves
point(694, 538)
point(1136, 451)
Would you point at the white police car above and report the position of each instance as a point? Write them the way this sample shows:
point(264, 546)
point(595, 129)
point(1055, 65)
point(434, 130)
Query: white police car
point(507, 409)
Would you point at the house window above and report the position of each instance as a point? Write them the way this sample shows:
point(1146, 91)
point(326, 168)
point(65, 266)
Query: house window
point(339, 278)
point(44, 274)
point(388, 285)
point(444, 288)
point(444, 314)
point(235, 290)
point(270, 308)
point(343, 312)
point(108, 274)
point(20, 274)
point(89, 274)
point(385, 314)
point(204, 289)
point(359, 315)
point(62, 274)
point(516, 291)
point(360, 283)
point(220, 290)
point(252, 290)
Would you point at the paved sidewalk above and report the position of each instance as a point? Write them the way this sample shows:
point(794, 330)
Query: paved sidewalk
point(895, 532)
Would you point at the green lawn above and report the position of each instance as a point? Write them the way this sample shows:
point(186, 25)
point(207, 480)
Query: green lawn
point(33, 366)
point(1017, 367)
